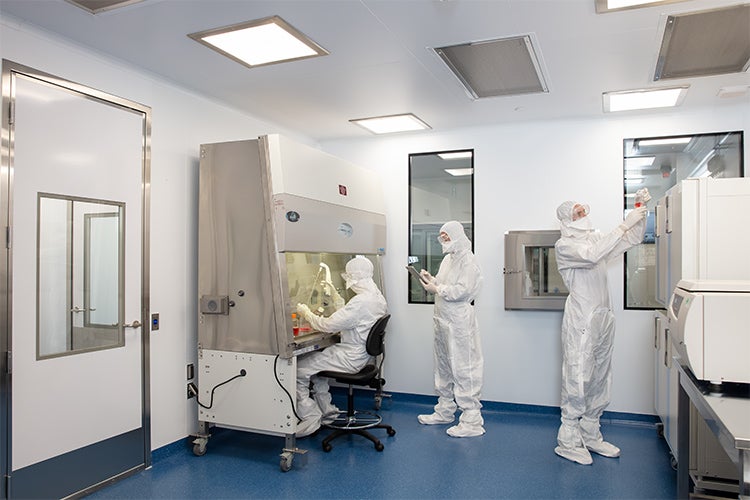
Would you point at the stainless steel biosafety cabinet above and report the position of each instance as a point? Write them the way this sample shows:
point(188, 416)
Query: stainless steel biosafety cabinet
point(276, 219)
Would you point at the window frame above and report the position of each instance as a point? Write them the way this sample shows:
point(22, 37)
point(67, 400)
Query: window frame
point(470, 230)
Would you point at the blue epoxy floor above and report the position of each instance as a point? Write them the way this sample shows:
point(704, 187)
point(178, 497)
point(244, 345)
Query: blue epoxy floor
point(515, 459)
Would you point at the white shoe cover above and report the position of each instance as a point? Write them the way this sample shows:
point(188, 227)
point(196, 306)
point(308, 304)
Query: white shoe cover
point(604, 448)
point(307, 427)
point(579, 455)
point(464, 430)
point(434, 418)
point(593, 440)
point(330, 417)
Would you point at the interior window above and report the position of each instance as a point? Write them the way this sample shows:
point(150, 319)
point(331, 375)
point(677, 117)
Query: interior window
point(658, 163)
point(441, 188)
point(79, 275)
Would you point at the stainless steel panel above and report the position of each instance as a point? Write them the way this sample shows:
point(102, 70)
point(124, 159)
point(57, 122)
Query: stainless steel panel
point(233, 253)
point(214, 304)
point(532, 280)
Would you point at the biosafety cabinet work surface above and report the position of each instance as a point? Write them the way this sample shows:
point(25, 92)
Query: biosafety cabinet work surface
point(278, 221)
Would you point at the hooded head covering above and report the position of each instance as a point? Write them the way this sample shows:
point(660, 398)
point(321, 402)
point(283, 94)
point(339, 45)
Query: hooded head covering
point(358, 275)
point(569, 227)
point(459, 242)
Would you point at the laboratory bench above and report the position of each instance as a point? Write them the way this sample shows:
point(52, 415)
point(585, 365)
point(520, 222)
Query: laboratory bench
point(727, 415)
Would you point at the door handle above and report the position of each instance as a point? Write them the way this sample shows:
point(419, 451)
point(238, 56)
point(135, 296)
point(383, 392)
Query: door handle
point(77, 309)
point(134, 324)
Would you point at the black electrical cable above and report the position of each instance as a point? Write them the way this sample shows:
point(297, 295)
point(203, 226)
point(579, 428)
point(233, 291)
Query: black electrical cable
point(291, 399)
point(241, 374)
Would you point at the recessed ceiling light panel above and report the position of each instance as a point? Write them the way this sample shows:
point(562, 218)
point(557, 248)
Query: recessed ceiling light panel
point(636, 162)
point(459, 172)
point(257, 43)
point(710, 42)
point(457, 155)
point(391, 124)
point(628, 100)
point(603, 6)
point(505, 66)
point(666, 141)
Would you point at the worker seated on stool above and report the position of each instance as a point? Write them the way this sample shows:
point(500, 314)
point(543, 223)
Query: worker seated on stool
point(354, 321)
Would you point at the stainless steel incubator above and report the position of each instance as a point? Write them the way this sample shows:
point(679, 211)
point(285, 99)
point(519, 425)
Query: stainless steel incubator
point(277, 220)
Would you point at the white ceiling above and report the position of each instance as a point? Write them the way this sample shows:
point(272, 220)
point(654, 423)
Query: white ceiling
point(380, 61)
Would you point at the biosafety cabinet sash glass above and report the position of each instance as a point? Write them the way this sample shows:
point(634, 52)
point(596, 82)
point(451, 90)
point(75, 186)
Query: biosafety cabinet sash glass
point(441, 189)
point(658, 163)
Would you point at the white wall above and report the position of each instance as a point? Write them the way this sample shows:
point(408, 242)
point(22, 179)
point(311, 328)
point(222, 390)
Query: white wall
point(522, 173)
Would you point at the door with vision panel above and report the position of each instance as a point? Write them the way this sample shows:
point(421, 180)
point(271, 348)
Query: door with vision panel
point(77, 167)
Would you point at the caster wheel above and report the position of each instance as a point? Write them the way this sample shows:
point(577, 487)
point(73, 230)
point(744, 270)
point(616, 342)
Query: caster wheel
point(660, 430)
point(286, 461)
point(379, 446)
point(673, 462)
point(327, 447)
point(199, 449)
point(391, 432)
point(378, 402)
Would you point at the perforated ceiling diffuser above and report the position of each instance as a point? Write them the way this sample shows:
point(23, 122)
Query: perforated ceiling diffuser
point(97, 6)
point(505, 66)
point(711, 42)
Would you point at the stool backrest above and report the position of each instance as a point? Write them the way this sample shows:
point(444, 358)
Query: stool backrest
point(375, 339)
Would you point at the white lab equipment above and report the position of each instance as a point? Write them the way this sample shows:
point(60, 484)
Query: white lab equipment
point(701, 233)
point(710, 320)
point(700, 236)
point(274, 216)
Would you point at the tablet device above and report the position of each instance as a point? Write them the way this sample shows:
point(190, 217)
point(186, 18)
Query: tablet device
point(415, 274)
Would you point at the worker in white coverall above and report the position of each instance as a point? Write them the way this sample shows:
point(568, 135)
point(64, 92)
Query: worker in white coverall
point(354, 321)
point(458, 357)
point(588, 326)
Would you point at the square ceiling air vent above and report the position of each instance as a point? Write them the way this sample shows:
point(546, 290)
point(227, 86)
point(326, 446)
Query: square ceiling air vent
point(505, 66)
point(711, 42)
point(97, 6)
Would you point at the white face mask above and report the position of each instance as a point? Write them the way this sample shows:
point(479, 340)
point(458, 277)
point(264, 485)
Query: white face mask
point(447, 246)
point(348, 279)
point(583, 224)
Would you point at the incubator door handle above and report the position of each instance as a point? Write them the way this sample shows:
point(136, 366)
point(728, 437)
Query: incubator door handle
point(134, 324)
point(77, 309)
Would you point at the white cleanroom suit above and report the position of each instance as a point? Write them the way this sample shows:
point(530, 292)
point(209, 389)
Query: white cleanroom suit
point(588, 326)
point(354, 321)
point(459, 364)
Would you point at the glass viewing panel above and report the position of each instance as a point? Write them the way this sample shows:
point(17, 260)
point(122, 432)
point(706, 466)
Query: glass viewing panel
point(441, 188)
point(80, 286)
point(315, 279)
point(658, 163)
point(542, 279)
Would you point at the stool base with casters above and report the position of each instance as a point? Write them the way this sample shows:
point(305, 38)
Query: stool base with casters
point(356, 421)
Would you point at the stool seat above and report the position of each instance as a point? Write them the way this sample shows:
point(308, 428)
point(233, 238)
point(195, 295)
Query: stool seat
point(362, 377)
